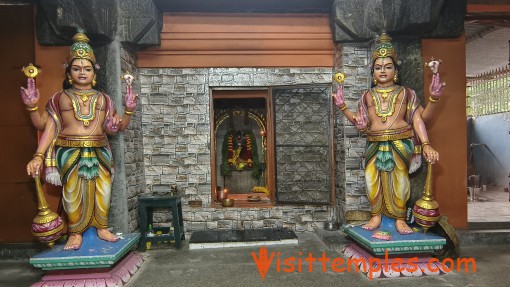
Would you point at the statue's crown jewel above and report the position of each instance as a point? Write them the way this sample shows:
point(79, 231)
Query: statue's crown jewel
point(81, 49)
point(384, 48)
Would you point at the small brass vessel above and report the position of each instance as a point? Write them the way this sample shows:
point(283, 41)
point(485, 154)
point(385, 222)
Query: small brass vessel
point(227, 202)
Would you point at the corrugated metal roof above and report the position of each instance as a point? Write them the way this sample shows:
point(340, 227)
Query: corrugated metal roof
point(487, 48)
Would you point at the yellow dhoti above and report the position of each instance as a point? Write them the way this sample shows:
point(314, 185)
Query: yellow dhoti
point(388, 157)
point(85, 170)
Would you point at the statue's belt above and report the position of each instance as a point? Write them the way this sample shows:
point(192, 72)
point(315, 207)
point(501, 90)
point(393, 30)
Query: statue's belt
point(90, 141)
point(390, 135)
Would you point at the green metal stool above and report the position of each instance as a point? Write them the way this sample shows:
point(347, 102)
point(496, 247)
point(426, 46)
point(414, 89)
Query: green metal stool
point(147, 203)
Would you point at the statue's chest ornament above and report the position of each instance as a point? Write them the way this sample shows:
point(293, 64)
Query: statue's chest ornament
point(384, 101)
point(84, 96)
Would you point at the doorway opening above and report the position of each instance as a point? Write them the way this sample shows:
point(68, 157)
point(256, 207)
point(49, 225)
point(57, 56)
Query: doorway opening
point(488, 123)
point(240, 150)
point(273, 146)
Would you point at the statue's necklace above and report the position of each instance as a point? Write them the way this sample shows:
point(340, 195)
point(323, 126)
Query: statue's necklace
point(384, 114)
point(86, 119)
point(83, 94)
point(385, 92)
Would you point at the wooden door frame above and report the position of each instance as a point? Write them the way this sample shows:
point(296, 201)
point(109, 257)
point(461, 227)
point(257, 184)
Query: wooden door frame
point(243, 93)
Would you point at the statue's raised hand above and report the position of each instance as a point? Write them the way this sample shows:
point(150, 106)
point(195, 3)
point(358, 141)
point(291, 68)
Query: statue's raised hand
point(434, 65)
point(30, 95)
point(112, 123)
point(360, 120)
point(339, 97)
point(436, 87)
point(131, 98)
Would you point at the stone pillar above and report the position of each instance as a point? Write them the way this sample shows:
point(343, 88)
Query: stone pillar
point(108, 57)
point(116, 29)
point(356, 23)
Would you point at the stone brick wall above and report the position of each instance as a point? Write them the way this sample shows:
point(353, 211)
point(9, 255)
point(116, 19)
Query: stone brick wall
point(354, 61)
point(176, 136)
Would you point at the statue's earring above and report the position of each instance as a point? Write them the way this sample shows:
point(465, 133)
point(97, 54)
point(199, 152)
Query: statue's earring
point(375, 81)
point(69, 80)
point(395, 78)
point(94, 82)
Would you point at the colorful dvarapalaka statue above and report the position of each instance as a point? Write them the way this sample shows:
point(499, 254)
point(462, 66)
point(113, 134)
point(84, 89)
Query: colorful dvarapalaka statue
point(74, 147)
point(393, 119)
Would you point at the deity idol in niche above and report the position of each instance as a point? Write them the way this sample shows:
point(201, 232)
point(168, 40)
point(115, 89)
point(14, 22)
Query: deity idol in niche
point(242, 167)
point(240, 150)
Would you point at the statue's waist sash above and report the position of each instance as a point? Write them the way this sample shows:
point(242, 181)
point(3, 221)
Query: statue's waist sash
point(77, 141)
point(390, 135)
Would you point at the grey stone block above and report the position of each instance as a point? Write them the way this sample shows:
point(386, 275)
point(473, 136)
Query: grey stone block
point(140, 23)
point(161, 188)
point(224, 224)
point(158, 98)
point(212, 224)
point(362, 20)
point(135, 21)
point(161, 159)
point(58, 21)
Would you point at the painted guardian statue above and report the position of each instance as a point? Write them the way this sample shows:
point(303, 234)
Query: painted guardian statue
point(394, 122)
point(74, 147)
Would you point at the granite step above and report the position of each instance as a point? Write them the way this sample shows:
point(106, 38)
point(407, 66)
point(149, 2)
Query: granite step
point(483, 237)
point(238, 238)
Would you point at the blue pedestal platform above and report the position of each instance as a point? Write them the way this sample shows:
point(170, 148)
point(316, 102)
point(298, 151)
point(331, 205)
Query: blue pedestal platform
point(391, 258)
point(96, 263)
point(94, 253)
point(417, 242)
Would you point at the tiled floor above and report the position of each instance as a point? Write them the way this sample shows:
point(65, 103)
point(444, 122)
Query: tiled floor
point(492, 206)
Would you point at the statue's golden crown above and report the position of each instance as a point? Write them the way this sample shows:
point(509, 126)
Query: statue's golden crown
point(81, 49)
point(384, 48)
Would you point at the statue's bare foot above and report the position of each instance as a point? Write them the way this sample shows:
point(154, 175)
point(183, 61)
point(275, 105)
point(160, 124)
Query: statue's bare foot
point(402, 227)
point(106, 235)
point(74, 242)
point(373, 223)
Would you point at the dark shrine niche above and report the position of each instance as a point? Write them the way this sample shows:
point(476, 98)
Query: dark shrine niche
point(240, 136)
